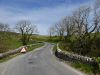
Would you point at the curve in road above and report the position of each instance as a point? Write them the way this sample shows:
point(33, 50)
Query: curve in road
point(38, 62)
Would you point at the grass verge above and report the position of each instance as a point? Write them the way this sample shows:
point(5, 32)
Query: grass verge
point(88, 70)
point(9, 57)
point(81, 67)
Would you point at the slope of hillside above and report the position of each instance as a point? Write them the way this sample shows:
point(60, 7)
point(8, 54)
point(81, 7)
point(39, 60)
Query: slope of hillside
point(9, 41)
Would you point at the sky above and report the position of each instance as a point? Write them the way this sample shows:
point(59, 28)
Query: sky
point(42, 13)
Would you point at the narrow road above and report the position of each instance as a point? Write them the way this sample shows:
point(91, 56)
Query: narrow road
point(38, 62)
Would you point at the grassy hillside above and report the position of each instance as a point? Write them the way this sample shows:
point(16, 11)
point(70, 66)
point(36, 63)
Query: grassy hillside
point(39, 37)
point(9, 41)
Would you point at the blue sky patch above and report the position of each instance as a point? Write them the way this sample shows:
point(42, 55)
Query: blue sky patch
point(43, 13)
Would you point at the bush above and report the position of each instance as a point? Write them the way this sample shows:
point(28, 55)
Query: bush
point(83, 45)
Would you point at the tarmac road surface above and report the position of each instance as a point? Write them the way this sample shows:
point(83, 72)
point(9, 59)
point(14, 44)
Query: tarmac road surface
point(38, 62)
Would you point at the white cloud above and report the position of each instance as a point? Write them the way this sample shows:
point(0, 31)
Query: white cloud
point(43, 17)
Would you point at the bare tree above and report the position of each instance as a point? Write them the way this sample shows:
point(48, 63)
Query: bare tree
point(82, 27)
point(69, 25)
point(4, 27)
point(81, 18)
point(51, 32)
point(26, 29)
point(60, 30)
point(97, 15)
